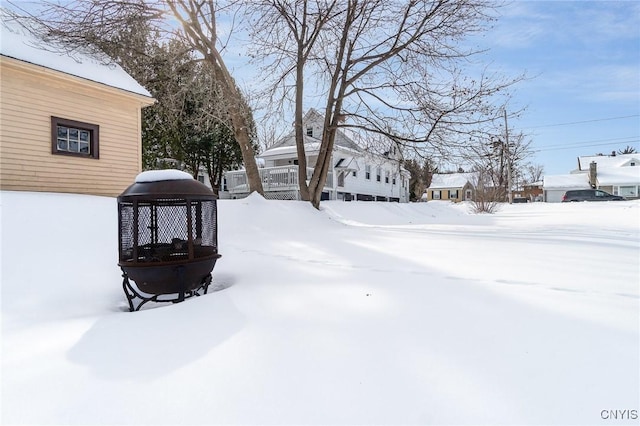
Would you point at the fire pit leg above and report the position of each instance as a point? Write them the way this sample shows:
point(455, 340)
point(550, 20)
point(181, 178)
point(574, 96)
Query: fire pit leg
point(180, 279)
point(206, 281)
point(126, 286)
point(131, 293)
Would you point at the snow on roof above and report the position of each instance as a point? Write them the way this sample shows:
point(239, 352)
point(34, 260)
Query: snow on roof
point(578, 180)
point(607, 160)
point(619, 175)
point(18, 43)
point(451, 180)
point(160, 175)
point(309, 147)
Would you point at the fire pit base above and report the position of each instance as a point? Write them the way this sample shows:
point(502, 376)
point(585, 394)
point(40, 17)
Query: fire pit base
point(133, 294)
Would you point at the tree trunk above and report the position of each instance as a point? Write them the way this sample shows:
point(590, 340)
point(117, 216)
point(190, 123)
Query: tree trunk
point(204, 42)
point(300, 133)
point(239, 123)
point(323, 164)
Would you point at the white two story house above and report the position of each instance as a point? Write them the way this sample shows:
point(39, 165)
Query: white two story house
point(357, 174)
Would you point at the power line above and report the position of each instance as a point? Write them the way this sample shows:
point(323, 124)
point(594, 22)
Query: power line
point(582, 122)
point(625, 139)
point(584, 146)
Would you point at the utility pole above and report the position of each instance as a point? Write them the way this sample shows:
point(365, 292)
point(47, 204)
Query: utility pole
point(508, 156)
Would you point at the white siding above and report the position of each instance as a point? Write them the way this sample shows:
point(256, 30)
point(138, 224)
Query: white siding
point(360, 185)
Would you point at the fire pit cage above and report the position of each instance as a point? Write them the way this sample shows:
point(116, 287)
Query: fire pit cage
point(168, 239)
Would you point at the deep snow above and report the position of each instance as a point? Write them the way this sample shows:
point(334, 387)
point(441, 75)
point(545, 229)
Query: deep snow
point(361, 313)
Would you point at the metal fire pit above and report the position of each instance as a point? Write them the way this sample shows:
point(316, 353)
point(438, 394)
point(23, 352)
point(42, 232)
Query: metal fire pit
point(168, 237)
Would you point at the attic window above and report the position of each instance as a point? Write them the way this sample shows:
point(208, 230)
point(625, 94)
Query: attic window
point(69, 137)
point(632, 163)
point(310, 131)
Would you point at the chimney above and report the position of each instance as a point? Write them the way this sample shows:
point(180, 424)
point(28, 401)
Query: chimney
point(593, 173)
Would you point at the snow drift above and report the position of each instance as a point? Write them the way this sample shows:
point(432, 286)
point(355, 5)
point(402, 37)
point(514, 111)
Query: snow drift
point(359, 313)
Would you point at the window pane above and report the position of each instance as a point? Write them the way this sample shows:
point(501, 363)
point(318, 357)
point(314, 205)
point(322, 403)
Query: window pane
point(62, 145)
point(69, 137)
point(628, 191)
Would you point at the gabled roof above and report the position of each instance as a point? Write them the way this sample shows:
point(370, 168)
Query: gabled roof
point(619, 176)
point(18, 43)
point(451, 180)
point(620, 160)
point(577, 180)
point(313, 117)
point(311, 146)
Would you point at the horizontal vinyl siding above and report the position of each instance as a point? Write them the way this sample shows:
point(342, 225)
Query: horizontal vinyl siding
point(26, 163)
point(360, 185)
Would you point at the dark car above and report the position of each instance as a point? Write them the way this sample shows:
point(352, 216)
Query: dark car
point(589, 195)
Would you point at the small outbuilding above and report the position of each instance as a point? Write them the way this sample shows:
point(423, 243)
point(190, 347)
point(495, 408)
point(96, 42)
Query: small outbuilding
point(70, 122)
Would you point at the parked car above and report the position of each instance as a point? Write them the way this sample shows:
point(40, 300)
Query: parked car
point(590, 195)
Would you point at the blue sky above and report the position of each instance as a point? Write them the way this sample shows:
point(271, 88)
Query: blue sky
point(583, 58)
point(583, 63)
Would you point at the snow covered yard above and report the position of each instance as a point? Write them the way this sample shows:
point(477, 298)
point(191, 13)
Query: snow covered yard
point(362, 313)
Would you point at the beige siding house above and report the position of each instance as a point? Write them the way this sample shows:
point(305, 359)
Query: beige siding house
point(67, 124)
point(454, 187)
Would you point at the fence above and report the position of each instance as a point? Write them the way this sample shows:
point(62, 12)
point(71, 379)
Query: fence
point(274, 179)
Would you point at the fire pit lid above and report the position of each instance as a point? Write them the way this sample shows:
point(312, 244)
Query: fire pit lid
point(155, 184)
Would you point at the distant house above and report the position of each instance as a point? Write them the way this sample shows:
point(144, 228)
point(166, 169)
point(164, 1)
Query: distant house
point(452, 186)
point(356, 174)
point(533, 191)
point(616, 174)
point(69, 123)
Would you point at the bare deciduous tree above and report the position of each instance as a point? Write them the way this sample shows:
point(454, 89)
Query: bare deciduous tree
point(388, 68)
point(492, 160)
point(486, 196)
point(292, 48)
point(198, 20)
point(533, 173)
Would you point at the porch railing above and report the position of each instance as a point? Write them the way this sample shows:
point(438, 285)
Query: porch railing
point(284, 178)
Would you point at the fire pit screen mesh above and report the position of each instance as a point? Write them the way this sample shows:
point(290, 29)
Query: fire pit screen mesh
point(163, 231)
